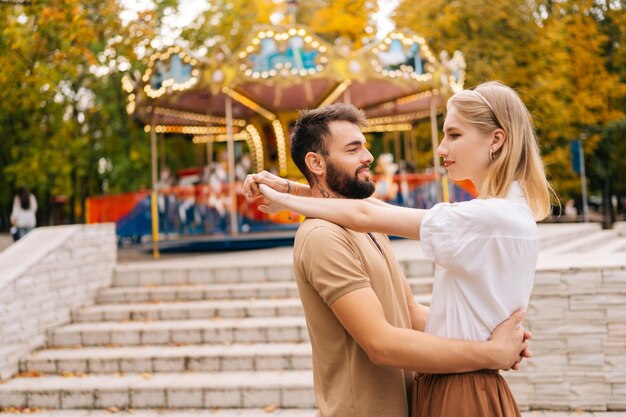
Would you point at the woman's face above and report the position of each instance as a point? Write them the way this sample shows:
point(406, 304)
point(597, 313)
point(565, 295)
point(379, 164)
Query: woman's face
point(464, 149)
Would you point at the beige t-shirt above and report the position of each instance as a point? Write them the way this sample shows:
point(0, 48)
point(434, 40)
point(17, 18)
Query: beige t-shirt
point(329, 262)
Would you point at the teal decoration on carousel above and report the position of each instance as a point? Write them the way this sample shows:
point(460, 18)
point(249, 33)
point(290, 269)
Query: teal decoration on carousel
point(294, 57)
point(397, 57)
point(177, 71)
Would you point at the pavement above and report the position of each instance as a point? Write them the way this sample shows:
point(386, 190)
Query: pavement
point(267, 412)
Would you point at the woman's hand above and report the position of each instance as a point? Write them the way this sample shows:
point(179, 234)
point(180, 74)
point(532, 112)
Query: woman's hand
point(252, 181)
point(275, 200)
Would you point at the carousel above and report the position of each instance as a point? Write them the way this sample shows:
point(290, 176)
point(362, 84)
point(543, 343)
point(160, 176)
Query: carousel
point(252, 96)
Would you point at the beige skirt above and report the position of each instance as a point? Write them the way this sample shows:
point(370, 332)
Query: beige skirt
point(473, 394)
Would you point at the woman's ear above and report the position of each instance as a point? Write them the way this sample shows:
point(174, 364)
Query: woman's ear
point(499, 137)
point(315, 163)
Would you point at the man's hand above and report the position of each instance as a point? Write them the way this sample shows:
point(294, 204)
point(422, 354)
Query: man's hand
point(510, 342)
point(252, 181)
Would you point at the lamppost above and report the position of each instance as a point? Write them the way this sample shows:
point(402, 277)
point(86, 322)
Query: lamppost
point(583, 176)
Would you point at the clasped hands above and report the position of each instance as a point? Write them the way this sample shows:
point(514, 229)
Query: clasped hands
point(268, 186)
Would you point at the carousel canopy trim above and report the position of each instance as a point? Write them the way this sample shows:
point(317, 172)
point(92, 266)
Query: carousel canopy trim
point(249, 103)
point(408, 117)
point(283, 52)
point(334, 95)
point(196, 117)
point(258, 147)
point(237, 137)
point(402, 55)
point(186, 130)
point(281, 146)
point(400, 127)
point(174, 70)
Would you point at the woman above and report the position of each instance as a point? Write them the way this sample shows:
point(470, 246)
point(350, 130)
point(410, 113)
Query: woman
point(23, 215)
point(486, 248)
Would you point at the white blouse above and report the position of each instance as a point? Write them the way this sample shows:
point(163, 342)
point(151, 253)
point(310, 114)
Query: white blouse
point(487, 250)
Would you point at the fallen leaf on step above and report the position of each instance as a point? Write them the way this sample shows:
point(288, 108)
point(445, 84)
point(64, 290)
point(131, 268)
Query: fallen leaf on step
point(147, 375)
point(28, 374)
point(270, 408)
point(113, 410)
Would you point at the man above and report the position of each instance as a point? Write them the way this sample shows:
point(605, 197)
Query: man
point(365, 328)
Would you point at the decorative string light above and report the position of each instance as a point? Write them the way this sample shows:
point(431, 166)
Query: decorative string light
point(186, 130)
point(405, 70)
point(258, 146)
point(170, 83)
point(197, 117)
point(388, 128)
point(406, 117)
point(280, 144)
point(237, 137)
point(310, 40)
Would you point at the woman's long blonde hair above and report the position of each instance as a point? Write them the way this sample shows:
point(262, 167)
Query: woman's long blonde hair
point(493, 105)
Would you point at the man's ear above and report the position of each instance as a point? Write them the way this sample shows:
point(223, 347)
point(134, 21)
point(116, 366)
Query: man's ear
point(498, 139)
point(315, 163)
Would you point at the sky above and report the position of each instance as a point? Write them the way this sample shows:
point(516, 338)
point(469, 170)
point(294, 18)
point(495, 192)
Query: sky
point(190, 9)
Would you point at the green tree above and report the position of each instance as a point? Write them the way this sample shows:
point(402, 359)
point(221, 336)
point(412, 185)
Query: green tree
point(62, 111)
point(564, 58)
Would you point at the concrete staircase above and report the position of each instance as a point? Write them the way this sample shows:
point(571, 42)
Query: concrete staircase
point(183, 337)
point(205, 336)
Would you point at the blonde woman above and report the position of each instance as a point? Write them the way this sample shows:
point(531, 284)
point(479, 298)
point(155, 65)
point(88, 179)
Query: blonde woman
point(486, 248)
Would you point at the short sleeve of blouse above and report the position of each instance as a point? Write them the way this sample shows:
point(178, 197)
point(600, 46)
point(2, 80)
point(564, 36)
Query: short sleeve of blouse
point(331, 263)
point(435, 233)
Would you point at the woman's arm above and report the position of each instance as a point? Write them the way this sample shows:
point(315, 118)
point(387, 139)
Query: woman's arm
point(358, 215)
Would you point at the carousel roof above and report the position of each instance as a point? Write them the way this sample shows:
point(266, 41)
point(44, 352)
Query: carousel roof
point(284, 69)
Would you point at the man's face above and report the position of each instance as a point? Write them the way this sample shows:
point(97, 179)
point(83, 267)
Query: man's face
point(348, 161)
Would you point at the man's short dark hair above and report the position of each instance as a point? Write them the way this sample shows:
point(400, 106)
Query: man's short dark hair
point(311, 131)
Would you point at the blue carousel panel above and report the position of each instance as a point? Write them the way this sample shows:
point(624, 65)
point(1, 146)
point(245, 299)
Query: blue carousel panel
point(397, 56)
point(270, 57)
point(176, 71)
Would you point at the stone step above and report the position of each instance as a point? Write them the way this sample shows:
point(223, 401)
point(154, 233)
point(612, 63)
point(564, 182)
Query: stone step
point(269, 412)
point(419, 285)
point(615, 245)
point(182, 273)
point(246, 412)
point(290, 389)
point(198, 292)
point(196, 358)
point(584, 243)
point(190, 310)
point(247, 330)
point(553, 235)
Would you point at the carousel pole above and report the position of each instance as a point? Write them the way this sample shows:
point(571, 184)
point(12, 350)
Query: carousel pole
point(155, 191)
point(234, 228)
point(209, 147)
point(396, 146)
point(435, 142)
point(408, 152)
point(209, 153)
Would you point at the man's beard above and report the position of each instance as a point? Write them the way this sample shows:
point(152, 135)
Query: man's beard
point(348, 186)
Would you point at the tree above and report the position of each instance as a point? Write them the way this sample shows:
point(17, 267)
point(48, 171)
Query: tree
point(561, 57)
point(228, 22)
point(62, 110)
